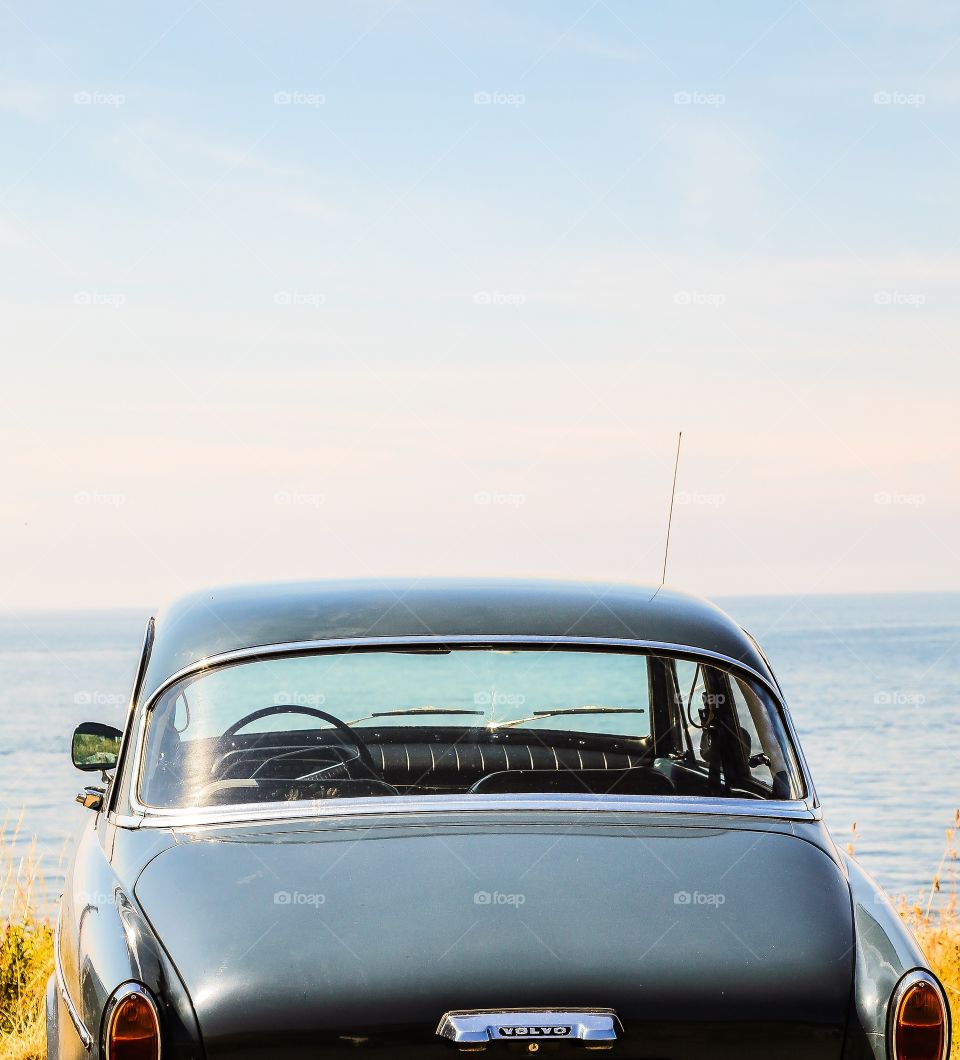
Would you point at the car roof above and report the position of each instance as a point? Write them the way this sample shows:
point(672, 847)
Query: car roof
point(232, 618)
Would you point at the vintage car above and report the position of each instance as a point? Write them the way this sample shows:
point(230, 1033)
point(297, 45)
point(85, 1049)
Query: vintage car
point(352, 819)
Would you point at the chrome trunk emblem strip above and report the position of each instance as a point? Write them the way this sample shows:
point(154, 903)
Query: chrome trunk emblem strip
point(479, 1026)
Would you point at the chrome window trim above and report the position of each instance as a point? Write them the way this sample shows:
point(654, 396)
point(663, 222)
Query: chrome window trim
point(911, 979)
point(149, 635)
point(413, 806)
point(122, 992)
point(806, 808)
point(86, 1038)
point(788, 720)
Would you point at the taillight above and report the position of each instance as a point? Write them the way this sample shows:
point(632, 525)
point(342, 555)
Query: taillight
point(133, 1029)
point(920, 1028)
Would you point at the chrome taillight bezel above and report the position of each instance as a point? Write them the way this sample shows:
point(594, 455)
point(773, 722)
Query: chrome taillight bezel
point(119, 995)
point(917, 977)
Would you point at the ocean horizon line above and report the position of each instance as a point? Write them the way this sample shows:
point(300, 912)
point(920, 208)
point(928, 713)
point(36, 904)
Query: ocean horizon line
point(147, 609)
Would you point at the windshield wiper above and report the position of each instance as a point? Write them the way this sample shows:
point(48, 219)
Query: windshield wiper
point(414, 710)
point(537, 714)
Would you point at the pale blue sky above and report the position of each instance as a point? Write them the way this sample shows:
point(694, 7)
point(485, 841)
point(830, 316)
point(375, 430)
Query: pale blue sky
point(409, 288)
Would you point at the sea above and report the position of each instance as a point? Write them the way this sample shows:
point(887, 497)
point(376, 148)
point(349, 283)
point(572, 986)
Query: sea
point(872, 681)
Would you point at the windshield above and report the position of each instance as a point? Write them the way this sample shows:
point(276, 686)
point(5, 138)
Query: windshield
point(463, 721)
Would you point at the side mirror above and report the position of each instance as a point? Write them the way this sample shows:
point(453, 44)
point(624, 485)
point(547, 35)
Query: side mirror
point(95, 747)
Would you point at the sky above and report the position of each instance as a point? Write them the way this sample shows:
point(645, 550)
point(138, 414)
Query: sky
point(410, 287)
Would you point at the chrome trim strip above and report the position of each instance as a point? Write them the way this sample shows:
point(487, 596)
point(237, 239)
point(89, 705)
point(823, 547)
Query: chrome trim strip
point(419, 805)
point(914, 978)
point(123, 991)
point(110, 801)
point(476, 1026)
point(85, 1036)
point(160, 817)
point(797, 748)
point(306, 647)
point(812, 796)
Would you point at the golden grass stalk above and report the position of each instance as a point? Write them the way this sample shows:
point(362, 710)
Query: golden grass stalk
point(26, 951)
point(936, 926)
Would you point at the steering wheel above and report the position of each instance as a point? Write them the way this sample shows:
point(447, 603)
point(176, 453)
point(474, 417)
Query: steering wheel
point(292, 708)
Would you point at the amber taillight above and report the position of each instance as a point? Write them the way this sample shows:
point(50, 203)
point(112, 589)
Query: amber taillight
point(920, 1023)
point(133, 1033)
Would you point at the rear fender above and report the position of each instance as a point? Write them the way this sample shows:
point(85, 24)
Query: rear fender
point(885, 952)
point(104, 941)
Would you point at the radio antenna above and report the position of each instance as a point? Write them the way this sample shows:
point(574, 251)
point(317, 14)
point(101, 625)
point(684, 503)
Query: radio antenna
point(673, 497)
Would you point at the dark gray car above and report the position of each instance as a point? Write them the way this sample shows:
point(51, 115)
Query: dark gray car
point(414, 820)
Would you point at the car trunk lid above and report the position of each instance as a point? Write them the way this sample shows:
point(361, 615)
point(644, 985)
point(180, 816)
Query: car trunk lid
point(710, 936)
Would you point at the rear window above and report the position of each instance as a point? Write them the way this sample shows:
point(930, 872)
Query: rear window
point(463, 721)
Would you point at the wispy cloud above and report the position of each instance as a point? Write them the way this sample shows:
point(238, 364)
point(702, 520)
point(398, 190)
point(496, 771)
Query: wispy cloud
point(34, 101)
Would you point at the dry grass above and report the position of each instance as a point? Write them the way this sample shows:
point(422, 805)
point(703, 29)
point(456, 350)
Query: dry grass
point(938, 933)
point(26, 953)
point(26, 942)
point(936, 924)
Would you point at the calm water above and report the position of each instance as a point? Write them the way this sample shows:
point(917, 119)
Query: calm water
point(873, 683)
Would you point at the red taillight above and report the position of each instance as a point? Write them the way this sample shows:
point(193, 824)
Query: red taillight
point(920, 1025)
point(134, 1033)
